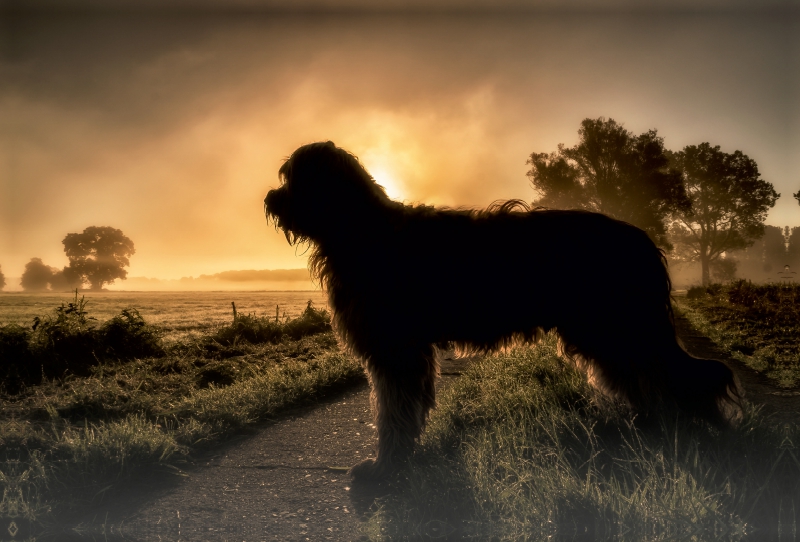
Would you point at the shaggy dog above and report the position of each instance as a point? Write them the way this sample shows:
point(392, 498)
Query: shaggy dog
point(407, 281)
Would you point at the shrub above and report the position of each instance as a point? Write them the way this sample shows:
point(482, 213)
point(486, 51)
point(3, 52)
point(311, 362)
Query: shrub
point(69, 341)
point(128, 336)
point(696, 292)
point(262, 329)
point(15, 358)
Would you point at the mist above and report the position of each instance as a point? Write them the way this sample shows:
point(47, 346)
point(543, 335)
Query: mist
point(172, 128)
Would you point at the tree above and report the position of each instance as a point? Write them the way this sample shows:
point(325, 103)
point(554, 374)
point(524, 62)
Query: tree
point(36, 276)
point(2, 279)
point(98, 255)
point(793, 250)
point(615, 172)
point(729, 203)
point(65, 279)
point(797, 196)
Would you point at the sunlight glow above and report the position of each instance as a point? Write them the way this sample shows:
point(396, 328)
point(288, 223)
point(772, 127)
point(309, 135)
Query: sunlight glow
point(385, 177)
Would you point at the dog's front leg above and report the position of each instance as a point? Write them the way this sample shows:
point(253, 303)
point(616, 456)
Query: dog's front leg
point(403, 393)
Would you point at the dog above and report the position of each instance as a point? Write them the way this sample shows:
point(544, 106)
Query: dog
point(407, 281)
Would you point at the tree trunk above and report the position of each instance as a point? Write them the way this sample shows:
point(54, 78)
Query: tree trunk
point(704, 266)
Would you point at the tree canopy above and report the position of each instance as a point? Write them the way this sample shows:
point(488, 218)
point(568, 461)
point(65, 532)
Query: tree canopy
point(36, 276)
point(2, 279)
point(98, 255)
point(729, 203)
point(615, 172)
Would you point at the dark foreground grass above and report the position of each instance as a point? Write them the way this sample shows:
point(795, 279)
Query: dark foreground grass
point(518, 450)
point(69, 442)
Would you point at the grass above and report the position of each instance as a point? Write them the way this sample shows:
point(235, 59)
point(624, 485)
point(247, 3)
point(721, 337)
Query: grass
point(519, 447)
point(758, 324)
point(71, 440)
point(519, 450)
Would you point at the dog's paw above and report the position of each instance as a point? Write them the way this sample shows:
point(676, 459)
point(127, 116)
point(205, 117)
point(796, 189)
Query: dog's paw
point(370, 470)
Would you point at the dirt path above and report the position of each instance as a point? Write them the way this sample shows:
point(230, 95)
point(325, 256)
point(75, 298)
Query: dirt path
point(288, 480)
point(280, 484)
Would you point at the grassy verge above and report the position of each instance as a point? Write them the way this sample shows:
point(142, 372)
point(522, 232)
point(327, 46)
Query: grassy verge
point(759, 325)
point(518, 450)
point(67, 441)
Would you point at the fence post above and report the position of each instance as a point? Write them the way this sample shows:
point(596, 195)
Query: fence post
point(233, 304)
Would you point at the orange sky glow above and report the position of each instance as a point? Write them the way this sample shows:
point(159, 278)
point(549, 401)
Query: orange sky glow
point(172, 129)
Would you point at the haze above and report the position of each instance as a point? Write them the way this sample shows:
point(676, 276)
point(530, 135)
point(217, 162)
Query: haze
point(172, 128)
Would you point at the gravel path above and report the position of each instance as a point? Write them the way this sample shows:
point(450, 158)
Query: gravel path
point(288, 481)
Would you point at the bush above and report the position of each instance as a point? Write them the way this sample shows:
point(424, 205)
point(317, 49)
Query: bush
point(64, 341)
point(128, 336)
point(70, 342)
point(16, 365)
point(262, 329)
point(697, 292)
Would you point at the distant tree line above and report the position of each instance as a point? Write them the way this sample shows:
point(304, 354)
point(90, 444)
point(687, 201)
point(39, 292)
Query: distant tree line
point(767, 257)
point(699, 204)
point(96, 256)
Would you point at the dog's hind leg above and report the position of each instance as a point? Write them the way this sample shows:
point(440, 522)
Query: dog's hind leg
point(703, 388)
point(403, 393)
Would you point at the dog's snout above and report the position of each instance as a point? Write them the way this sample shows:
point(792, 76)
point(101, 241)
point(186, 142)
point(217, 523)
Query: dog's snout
point(272, 200)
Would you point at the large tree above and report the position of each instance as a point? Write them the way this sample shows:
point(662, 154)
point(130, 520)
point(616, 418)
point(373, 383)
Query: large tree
point(615, 172)
point(98, 255)
point(2, 279)
point(729, 203)
point(36, 276)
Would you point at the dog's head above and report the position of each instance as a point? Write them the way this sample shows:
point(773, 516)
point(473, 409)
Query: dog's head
point(323, 188)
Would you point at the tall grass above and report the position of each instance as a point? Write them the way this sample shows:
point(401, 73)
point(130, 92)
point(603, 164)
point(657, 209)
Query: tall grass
point(520, 449)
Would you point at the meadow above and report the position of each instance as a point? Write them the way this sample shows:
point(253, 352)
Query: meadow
point(519, 448)
point(177, 314)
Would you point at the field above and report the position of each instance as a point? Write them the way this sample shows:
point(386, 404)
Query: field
point(178, 314)
point(518, 449)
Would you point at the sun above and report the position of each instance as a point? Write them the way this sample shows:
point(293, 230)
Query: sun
point(385, 177)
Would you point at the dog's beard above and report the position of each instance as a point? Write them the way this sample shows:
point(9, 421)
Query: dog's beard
point(292, 237)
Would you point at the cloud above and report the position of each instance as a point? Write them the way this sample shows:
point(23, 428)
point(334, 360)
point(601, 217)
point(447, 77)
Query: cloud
point(173, 128)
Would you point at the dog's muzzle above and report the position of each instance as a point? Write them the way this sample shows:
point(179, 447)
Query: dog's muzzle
point(274, 204)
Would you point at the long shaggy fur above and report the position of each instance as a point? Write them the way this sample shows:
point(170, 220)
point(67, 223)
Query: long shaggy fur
point(404, 281)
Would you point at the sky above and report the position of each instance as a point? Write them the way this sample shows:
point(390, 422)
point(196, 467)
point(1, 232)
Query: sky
point(172, 126)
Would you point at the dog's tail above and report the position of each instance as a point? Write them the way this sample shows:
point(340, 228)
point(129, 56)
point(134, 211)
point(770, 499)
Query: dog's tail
point(703, 388)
